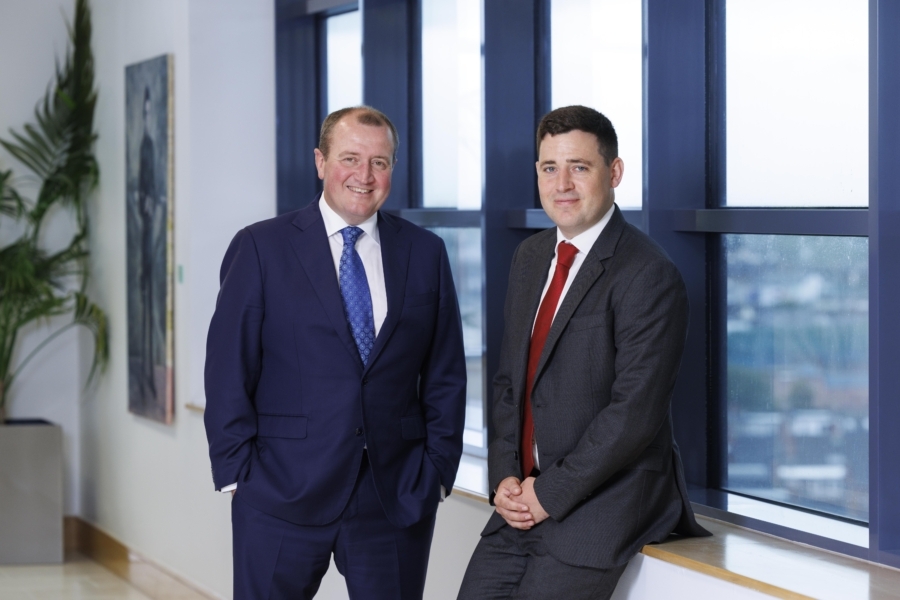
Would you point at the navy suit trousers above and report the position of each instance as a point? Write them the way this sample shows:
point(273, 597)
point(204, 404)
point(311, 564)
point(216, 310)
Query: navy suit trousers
point(275, 559)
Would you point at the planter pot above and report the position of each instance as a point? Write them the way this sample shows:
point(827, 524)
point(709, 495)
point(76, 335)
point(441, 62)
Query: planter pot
point(31, 492)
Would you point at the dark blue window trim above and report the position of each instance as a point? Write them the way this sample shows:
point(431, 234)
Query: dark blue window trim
point(536, 218)
point(884, 281)
point(298, 99)
point(440, 217)
point(675, 142)
point(389, 43)
point(782, 221)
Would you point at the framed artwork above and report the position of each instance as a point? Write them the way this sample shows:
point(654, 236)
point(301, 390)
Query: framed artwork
point(149, 164)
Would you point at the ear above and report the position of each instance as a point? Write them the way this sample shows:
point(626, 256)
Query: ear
point(320, 163)
point(616, 171)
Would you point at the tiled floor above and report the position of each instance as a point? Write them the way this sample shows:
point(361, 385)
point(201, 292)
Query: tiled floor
point(77, 579)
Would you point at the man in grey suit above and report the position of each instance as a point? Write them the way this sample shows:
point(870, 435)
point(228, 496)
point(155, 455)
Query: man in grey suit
point(584, 469)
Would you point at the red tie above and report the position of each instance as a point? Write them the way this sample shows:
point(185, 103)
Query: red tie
point(565, 256)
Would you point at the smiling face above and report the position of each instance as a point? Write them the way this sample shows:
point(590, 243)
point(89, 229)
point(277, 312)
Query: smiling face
point(575, 183)
point(357, 171)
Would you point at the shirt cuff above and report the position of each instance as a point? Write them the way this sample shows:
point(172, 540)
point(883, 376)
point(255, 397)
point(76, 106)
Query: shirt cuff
point(229, 488)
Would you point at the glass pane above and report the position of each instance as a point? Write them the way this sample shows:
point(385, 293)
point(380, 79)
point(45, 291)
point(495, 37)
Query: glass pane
point(344, 47)
point(797, 102)
point(797, 374)
point(451, 103)
point(596, 60)
point(464, 249)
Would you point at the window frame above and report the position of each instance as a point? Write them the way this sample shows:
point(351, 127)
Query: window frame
point(684, 180)
point(682, 77)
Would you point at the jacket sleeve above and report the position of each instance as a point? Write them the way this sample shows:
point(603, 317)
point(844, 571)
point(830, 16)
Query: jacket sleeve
point(233, 358)
point(442, 383)
point(650, 314)
point(503, 456)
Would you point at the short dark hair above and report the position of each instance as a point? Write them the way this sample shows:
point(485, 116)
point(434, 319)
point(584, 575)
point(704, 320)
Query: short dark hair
point(365, 115)
point(582, 118)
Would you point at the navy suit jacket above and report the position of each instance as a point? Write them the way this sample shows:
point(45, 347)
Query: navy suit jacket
point(290, 405)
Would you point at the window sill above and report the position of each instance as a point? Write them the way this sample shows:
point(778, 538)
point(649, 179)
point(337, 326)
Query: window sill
point(777, 567)
point(784, 522)
point(471, 478)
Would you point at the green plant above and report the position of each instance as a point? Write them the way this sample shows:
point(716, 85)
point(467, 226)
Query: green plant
point(36, 284)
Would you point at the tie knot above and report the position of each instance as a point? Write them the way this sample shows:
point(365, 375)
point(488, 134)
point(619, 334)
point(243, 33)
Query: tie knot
point(351, 234)
point(565, 254)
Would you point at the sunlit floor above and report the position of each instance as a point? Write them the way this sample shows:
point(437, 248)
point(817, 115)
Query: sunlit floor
point(79, 578)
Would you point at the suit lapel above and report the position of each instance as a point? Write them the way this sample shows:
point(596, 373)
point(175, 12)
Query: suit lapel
point(310, 244)
point(395, 261)
point(591, 269)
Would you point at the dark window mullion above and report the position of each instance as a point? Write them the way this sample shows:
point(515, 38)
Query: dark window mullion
point(536, 218)
point(440, 217)
point(852, 222)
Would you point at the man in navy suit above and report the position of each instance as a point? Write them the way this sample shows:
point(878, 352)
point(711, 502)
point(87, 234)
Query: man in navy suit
point(335, 382)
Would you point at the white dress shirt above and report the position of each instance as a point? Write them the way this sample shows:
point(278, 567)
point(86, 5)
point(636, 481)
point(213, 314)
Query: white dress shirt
point(584, 241)
point(368, 246)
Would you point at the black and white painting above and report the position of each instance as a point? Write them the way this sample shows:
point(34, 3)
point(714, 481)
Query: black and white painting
point(149, 184)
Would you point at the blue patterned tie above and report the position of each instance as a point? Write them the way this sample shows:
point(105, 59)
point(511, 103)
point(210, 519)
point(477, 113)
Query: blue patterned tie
point(355, 291)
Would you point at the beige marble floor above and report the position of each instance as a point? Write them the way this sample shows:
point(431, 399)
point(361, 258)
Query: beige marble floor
point(77, 579)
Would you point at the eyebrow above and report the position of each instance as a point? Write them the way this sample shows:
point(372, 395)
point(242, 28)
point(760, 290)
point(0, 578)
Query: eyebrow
point(571, 161)
point(352, 153)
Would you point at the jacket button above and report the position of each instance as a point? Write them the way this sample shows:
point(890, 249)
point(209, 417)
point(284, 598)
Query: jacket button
point(359, 431)
point(365, 381)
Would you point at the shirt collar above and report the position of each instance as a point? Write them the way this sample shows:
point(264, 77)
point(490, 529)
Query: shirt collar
point(334, 223)
point(584, 241)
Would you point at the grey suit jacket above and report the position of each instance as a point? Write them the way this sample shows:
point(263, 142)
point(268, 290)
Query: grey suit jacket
point(611, 475)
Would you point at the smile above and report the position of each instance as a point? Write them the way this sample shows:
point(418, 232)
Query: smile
point(358, 190)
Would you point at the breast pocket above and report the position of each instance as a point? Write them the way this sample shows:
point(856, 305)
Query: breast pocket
point(587, 322)
point(429, 297)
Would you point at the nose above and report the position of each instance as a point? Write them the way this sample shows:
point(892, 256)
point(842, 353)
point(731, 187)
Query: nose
point(564, 181)
point(366, 174)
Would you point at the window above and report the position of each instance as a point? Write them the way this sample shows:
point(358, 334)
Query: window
point(746, 127)
point(596, 60)
point(797, 370)
point(796, 319)
point(451, 104)
point(344, 50)
point(466, 263)
point(797, 110)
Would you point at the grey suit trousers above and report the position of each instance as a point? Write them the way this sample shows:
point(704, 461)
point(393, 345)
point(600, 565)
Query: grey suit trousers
point(513, 564)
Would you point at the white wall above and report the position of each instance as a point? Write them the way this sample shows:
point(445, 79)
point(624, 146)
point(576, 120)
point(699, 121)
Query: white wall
point(147, 484)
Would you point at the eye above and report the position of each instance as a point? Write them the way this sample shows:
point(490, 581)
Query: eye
point(350, 160)
point(549, 169)
point(379, 164)
point(580, 168)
